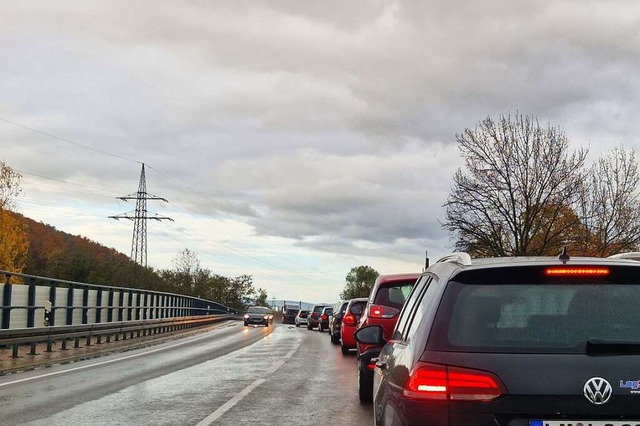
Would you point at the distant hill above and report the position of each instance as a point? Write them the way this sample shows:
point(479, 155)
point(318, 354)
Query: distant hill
point(57, 254)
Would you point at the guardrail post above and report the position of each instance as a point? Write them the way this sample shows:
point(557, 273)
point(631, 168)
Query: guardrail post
point(31, 302)
point(52, 299)
point(120, 303)
point(99, 306)
point(145, 305)
point(6, 302)
point(130, 309)
point(110, 308)
point(85, 307)
point(70, 305)
point(138, 297)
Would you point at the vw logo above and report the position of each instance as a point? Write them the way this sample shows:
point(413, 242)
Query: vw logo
point(597, 390)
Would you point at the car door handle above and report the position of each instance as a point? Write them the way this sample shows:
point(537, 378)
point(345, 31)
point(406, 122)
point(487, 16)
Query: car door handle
point(381, 365)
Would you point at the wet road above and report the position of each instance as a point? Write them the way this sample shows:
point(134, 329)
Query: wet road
point(229, 376)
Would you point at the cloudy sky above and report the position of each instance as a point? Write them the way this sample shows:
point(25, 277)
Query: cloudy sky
point(293, 139)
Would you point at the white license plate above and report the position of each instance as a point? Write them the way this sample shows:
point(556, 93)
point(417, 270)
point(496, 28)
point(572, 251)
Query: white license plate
point(584, 423)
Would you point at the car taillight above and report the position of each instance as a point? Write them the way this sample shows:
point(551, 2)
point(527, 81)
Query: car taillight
point(439, 382)
point(380, 311)
point(324, 317)
point(349, 319)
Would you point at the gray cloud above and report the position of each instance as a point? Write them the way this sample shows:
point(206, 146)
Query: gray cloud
point(331, 124)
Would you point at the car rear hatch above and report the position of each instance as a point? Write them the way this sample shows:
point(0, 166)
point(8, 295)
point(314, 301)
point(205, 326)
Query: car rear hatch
point(539, 346)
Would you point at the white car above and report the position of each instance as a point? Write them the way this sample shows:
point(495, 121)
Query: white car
point(301, 318)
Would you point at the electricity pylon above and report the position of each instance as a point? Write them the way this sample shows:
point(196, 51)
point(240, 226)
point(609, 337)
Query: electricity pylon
point(139, 218)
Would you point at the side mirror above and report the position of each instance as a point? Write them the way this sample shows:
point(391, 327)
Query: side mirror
point(370, 335)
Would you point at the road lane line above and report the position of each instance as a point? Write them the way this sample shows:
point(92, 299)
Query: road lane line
point(230, 404)
point(98, 364)
point(246, 391)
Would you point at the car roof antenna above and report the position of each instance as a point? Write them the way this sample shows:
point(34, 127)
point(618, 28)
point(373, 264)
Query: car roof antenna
point(564, 257)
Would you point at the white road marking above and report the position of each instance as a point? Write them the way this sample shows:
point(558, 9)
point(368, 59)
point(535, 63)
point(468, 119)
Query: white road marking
point(230, 403)
point(246, 391)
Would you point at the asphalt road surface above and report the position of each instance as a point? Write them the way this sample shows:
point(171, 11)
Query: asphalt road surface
point(233, 375)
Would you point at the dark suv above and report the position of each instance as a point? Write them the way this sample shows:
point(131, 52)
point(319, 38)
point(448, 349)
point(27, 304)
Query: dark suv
point(513, 341)
point(385, 302)
point(313, 319)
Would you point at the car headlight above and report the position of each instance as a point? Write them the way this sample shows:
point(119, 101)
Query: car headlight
point(246, 315)
point(266, 317)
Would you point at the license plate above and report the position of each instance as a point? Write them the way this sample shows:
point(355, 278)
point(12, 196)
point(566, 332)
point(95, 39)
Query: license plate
point(584, 423)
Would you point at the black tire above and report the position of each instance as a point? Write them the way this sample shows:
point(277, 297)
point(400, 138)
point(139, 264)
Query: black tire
point(345, 351)
point(308, 326)
point(245, 324)
point(365, 383)
point(297, 325)
point(335, 340)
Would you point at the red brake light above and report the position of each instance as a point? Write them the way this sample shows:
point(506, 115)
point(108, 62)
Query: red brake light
point(576, 271)
point(379, 311)
point(432, 381)
point(349, 319)
point(324, 317)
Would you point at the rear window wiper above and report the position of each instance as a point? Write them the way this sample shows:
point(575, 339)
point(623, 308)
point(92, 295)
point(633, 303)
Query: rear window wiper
point(611, 347)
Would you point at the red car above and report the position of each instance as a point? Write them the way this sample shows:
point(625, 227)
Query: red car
point(386, 300)
point(350, 320)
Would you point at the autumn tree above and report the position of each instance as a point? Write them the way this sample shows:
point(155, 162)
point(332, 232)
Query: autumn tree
point(511, 197)
point(14, 243)
point(359, 282)
point(9, 186)
point(610, 205)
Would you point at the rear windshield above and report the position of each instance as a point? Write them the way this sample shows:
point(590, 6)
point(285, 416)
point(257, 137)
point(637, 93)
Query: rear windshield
point(318, 309)
point(303, 313)
point(394, 295)
point(535, 318)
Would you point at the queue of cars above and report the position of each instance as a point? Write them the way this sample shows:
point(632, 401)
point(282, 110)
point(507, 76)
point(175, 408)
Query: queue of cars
point(537, 341)
point(529, 341)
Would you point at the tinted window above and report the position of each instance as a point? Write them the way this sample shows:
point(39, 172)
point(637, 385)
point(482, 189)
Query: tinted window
point(394, 295)
point(408, 308)
point(536, 318)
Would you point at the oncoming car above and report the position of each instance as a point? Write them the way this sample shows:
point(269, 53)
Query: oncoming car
point(258, 315)
point(513, 341)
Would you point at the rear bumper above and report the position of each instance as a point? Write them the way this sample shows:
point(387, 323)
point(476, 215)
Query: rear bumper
point(346, 335)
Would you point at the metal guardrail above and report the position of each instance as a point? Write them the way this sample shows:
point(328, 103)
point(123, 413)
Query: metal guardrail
point(42, 302)
point(118, 330)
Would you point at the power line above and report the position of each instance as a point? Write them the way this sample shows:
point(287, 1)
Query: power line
point(111, 154)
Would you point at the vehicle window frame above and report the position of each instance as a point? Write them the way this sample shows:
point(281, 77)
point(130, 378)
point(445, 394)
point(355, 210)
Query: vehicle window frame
point(424, 305)
point(407, 310)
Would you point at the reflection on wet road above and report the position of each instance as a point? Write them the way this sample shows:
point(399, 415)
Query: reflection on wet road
point(232, 375)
